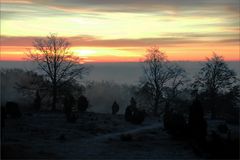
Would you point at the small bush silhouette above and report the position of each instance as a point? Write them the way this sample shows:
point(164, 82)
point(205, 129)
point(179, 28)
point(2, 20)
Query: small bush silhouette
point(174, 123)
point(138, 116)
point(130, 110)
point(115, 108)
point(178, 124)
point(12, 109)
point(69, 109)
point(134, 115)
point(37, 101)
point(167, 117)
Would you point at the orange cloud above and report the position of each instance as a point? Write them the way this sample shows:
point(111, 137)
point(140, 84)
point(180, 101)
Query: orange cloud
point(12, 57)
point(98, 50)
point(118, 54)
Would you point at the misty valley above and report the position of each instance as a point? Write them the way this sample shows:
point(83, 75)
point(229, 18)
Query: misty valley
point(99, 117)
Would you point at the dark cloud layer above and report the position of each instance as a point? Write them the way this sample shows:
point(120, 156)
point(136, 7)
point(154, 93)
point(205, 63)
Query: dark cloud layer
point(138, 5)
point(88, 41)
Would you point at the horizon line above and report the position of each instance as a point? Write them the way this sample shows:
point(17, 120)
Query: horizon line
point(124, 61)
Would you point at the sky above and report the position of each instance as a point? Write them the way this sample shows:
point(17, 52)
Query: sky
point(122, 30)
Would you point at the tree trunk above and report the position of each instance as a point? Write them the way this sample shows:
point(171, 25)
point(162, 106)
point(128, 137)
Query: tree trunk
point(54, 98)
point(54, 82)
point(156, 103)
point(213, 111)
point(213, 105)
point(155, 111)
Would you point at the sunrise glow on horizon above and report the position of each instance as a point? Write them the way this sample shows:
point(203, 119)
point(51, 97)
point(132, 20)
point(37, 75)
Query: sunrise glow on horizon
point(121, 31)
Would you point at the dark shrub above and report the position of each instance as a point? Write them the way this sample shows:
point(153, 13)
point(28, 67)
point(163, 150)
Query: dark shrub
point(115, 108)
point(223, 128)
point(37, 101)
point(129, 113)
point(138, 116)
point(69, 109)
point(130, 110)
point(177, 124)
point(196, 123)
point(174, 123)
point(82, 103)
point(223, 148)
point(13, 110)
point(167, 117)
point(68, 105)
point(3, 116)
point(134, 115)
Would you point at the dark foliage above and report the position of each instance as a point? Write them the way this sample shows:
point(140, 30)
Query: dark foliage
point(167, 117)
point(133, 114)
point(82, 103)
point(223, 148)
point(129, 113)
point(69, 109)
point(12, 110)
point(196, 122)
point(138, 116)
point(216, 82)
point(115, 108)
point(174, 123)
point(130, 110)
point(37, 101)
point(178, 124)
point(223, 128)
point(3, 116)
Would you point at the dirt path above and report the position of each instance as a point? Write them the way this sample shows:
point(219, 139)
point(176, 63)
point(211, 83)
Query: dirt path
point(129, 131)
point(150, 142)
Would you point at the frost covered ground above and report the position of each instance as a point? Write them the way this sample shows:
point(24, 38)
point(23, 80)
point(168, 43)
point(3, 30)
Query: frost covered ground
point(93, 136)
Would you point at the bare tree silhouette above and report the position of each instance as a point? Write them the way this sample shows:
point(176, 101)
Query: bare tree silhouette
point(161, 79)
point(58, 63)
point(215, 78)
